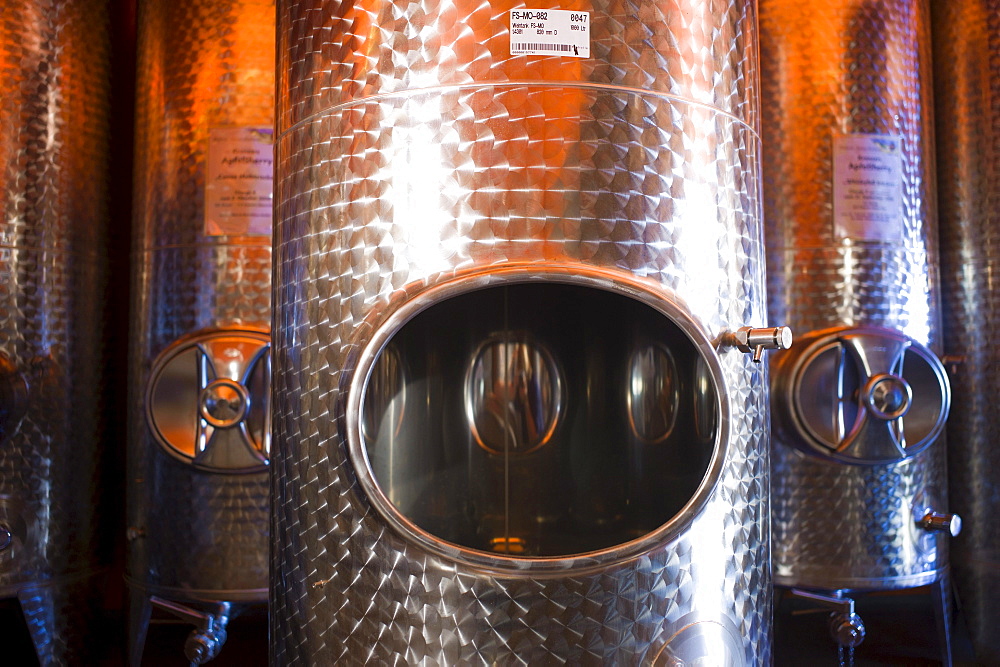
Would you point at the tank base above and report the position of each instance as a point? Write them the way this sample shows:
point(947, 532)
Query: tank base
point(208, 618)
point(63, 616)
point(939, 592)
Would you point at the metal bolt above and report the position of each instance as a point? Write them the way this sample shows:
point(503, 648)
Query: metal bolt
point(941, 522)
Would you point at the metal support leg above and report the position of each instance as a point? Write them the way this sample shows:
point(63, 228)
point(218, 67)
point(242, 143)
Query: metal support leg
point(38, 607)
point(941, 592)
point(139, 613)
point(62, 616)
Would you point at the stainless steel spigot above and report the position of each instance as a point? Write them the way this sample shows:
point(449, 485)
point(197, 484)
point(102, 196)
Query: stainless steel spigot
point(755, 340)
point(846, 627)
point(204, 645)
point(206, 640)
point(941, 522)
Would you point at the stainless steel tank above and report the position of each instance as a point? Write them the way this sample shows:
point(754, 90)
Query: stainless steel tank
point(967, 109)
point(518, 284)
point(859, 402)
point(199, 418)
point(54, 150)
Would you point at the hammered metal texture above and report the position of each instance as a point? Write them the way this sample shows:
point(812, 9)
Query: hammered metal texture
point(194, 534)
point(54, 136)
point(413, 149)
point(831, 68)
point(967, 107)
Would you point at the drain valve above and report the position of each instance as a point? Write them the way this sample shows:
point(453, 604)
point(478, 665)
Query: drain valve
point(755, 341)
point(846, 627)
point(206, 640)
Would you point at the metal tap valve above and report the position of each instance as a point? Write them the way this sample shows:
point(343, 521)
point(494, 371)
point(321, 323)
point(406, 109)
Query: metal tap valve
point(206, 640)
point(941, 522)
point(755, 340)
point(846, 627)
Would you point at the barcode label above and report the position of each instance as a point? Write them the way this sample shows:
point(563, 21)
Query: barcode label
point(549, 31)
point(536, 46)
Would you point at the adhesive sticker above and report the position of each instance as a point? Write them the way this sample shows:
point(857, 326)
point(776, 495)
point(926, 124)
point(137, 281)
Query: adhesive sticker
point(239, 181)
point(549, 32)
point(868, 187)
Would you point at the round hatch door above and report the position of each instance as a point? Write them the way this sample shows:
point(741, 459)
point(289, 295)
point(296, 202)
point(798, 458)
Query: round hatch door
point(862, 395)
point(207, 400)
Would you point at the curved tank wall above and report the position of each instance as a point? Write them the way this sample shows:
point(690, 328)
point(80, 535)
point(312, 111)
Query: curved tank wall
point(197, 457)
point(851, 234)
point(967, 108)
point(435, 162)
point(54, 145)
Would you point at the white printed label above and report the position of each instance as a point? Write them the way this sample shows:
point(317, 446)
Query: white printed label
point(239, 181)
point(549, 32)
point(868, 187)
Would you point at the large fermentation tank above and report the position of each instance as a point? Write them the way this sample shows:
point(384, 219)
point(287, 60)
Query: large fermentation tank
point(518, 284)
point(199, 433)
point(54, 108)
point(859, 402)
point(967, 108)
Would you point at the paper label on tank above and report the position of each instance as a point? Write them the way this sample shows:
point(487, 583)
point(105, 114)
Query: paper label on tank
point(549, 32)
point(868, 187)
point(239, 181)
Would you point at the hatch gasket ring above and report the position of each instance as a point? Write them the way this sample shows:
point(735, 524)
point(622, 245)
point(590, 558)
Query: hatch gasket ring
point(384, 324)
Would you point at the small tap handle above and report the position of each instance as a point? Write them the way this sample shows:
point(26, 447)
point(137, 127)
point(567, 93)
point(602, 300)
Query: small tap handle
point(941, 522)
point(754, 341)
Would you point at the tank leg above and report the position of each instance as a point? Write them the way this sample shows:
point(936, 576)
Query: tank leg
point(62, 617)
point(139, 612)
point(941, 592)
point(39, 609)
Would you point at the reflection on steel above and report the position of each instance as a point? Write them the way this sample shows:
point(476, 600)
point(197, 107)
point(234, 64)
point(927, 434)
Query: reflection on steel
point(653, 393)
point(386, 397)
point(852, 252)
point(513, 395)
point(861, 395)
point(13, 397)
point(198, 511)
point(423, 168)
point(702, 643)
point(54, 154)
point(705, 417)
point(966, 39)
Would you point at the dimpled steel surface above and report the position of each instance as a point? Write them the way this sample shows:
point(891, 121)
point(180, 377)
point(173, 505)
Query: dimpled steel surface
point(967, 97)
point(837, 525)
point(54, 85)
point(413, 149)
point(194, 534)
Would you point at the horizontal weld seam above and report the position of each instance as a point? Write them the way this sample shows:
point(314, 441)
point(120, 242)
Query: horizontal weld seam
point(409, 92)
